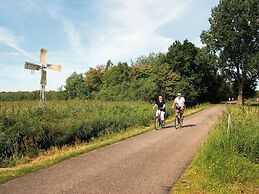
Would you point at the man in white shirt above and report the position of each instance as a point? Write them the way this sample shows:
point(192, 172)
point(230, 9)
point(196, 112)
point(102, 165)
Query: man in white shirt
point(178, 104)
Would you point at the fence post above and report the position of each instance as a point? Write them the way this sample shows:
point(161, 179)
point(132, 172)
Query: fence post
point(229, 123)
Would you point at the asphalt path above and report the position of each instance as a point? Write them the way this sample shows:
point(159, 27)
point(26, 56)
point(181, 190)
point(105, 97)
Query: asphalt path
point(148, 163)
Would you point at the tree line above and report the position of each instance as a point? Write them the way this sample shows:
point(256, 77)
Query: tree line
point(29, 95)
point(227, 65)
point(184, 68)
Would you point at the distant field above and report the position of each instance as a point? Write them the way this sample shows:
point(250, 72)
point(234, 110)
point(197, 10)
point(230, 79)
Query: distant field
point(228, 161)
point(26, 129)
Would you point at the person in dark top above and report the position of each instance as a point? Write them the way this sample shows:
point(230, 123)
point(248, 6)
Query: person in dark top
point(160, 106)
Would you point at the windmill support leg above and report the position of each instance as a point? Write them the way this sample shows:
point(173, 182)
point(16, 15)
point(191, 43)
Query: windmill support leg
point(42, 96)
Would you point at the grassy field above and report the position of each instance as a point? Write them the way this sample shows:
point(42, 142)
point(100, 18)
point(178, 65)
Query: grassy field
point(228, 161)
point(27, 162)
point(26, 129)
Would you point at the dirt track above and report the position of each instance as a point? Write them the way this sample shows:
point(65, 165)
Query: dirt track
point(148, 163)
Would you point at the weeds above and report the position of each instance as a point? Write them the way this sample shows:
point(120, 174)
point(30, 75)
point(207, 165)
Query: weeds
point(26, 129)
point(228, 161)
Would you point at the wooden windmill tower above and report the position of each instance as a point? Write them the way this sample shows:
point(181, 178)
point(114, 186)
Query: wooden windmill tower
point(42, 67)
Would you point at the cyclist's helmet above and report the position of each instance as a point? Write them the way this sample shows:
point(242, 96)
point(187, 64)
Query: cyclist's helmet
point(179, 94)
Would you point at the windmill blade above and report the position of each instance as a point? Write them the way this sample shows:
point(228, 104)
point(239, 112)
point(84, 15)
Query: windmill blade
point(31, 66)
point(43, 55)
point(54, 67)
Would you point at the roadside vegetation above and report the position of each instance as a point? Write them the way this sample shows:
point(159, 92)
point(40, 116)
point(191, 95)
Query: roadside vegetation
point(63, 141)
point(228, 160)
point(112, 101)
point(27, 129)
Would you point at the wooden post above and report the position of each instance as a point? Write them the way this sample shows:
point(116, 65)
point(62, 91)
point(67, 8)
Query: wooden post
point(229, 124)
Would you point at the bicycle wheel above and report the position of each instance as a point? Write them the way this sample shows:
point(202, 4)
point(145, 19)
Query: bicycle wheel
point(176, 122)
point(156, 124)
point(159, 123)
point(162, 124)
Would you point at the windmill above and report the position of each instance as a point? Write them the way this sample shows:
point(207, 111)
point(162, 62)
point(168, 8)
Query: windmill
point(42, 67)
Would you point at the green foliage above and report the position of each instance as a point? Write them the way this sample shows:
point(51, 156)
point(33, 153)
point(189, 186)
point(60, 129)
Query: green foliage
point(233, 34)
point(116, 74)
point(26, 129)
point(75, 87)
point(182, 58)
point(233, 157)
point(94, 78)
point(184, 68)
point(228, 161)
point(199, 80)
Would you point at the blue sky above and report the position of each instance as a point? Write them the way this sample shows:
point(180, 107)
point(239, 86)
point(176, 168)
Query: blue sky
point(81, 34)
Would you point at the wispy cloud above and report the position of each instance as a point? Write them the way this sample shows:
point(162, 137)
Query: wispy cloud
point(146, 15)
point(73, 34)
point(126, 30)
point(80, 34)
point(7, 38)
point(131, 27)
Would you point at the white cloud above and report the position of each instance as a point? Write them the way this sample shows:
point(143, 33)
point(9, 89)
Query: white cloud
point(131, 27)
point(146, 15)
point(11, 62)
point(73, 35)
point(128, 29)
point(124, 30)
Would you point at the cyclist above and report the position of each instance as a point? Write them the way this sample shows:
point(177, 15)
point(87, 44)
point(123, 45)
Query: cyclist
point(178, 104)
point(160, 105)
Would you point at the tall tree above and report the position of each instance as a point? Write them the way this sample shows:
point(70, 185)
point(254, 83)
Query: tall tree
point(195, 69)
point(75, 86)
point(233, 35)
point(116, 74)
point(93, 78)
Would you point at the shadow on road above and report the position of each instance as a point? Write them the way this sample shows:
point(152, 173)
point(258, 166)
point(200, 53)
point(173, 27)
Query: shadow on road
point(170, 126)
point(190, 125)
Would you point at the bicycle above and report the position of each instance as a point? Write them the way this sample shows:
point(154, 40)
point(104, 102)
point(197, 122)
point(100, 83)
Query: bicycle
point(158, 122)
point(178, 119)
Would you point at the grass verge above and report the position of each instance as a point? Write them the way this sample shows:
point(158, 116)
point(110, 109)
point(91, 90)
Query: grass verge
point(228, 161)
point(55, 155)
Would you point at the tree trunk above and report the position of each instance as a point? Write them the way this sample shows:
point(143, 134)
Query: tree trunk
point(240, 91)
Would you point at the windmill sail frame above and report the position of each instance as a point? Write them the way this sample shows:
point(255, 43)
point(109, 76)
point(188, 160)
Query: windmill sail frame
point(54, 67)
point(43, 56)
point(42, 67)
point(32, 66)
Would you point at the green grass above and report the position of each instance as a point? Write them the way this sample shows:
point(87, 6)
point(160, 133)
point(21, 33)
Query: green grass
point(54, 155)
point(228, 161)
point(26, 129)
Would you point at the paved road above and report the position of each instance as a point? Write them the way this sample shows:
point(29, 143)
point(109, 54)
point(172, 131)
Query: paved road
point(148, 163)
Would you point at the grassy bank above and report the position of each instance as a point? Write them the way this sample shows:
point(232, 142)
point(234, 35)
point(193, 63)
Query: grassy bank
point(228, 161)
point(57, 154)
